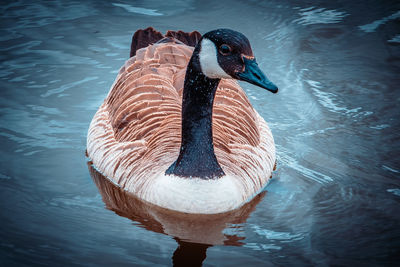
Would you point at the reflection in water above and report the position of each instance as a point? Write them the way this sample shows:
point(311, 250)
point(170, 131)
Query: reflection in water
point(189, 254)
point(194, 233)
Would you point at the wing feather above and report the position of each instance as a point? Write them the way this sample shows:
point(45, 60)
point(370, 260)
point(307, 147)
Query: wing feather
point(138, 128)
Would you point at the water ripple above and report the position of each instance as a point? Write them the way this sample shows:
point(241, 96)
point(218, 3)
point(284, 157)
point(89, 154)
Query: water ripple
point(328, 100)
point(390, 169)
point(138, 10)
point(262, 247)
point(312, 15)
point(32, 14)
point(394, 191)
point(3, 176)
point(292, 162)
point(67, 86)
point(274, 238)
point(395, 39)
point(371, 27)
point(273, 235)
point(319, 131)
point(37, 126)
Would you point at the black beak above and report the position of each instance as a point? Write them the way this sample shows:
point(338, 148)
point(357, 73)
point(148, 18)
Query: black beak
point(254, 75)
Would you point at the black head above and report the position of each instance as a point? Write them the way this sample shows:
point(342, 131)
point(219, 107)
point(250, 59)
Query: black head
point(226, 53)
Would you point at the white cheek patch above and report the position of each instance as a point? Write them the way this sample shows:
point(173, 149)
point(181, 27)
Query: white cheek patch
point(209, 61)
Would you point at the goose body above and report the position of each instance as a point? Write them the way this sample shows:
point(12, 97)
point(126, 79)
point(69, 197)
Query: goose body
point(153, 137)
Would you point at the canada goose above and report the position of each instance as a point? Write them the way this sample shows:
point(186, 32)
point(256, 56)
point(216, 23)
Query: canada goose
point(177, 130)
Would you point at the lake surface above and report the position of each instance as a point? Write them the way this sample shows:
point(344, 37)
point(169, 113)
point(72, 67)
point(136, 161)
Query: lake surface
point(333, 200)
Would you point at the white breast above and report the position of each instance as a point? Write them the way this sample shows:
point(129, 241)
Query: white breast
point(195, 195)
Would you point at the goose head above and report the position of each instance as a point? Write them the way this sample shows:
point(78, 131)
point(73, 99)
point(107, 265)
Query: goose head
point(227, 54)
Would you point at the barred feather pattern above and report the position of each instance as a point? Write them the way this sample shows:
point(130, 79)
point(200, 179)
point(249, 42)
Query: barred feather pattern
point(136, 133)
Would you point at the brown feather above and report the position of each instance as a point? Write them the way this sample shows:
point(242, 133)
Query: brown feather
point(149, 36)
point(145, 92)
point(143, 38)
point(137, 131)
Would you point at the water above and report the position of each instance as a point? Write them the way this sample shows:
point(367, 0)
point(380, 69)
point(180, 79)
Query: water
point(335, 196)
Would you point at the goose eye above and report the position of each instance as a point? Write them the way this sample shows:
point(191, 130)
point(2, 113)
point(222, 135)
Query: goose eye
point(225, 49)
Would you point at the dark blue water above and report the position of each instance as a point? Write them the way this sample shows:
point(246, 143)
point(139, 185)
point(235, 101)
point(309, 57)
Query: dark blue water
point(334, 199)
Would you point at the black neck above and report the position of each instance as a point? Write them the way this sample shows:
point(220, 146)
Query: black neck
point(197, 157)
